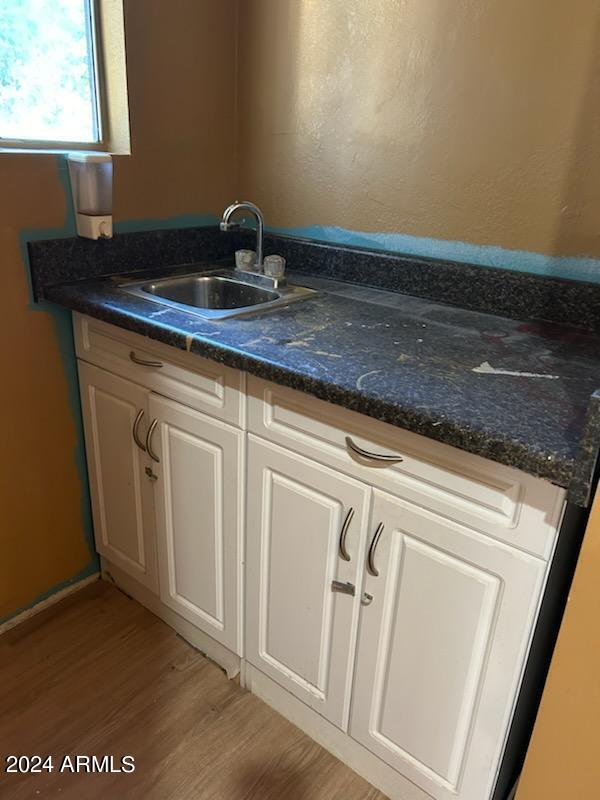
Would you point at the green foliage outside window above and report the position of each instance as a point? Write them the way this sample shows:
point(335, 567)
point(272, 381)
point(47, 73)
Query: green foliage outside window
point(47, 90)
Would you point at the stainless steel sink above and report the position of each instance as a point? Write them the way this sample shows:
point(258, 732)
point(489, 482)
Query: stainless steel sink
point(218, 293)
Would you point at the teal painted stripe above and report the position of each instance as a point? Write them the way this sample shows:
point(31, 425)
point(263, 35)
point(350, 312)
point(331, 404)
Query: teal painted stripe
point(579, 268)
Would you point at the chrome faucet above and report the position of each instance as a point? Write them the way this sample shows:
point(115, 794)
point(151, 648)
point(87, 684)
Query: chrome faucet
point(226, 225)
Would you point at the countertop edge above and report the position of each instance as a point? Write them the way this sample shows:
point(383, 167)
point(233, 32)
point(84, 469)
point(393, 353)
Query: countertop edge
point(504, 451)
point(586, 464)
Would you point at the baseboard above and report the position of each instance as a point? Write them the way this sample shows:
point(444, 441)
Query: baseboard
point(226, 659)
point(47, 602)
point(350, 752)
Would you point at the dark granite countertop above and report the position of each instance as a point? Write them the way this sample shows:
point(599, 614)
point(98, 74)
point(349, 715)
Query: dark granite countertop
point(519, 393)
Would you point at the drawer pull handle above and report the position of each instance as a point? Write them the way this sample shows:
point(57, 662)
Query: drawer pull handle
point(134, 430)
point(151, 452)
point(371, 556)
point(142, 361)
point(343, 588)
point(382, 457)
point(343, 533)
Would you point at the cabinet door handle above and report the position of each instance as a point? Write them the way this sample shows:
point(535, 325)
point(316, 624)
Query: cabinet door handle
point(371, 556)
point(366, 454)
point(151, 452)
point(134, 430)
point(142, 361)
point(343, 533)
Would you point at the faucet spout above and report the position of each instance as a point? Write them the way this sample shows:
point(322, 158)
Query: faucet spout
point(227, 225)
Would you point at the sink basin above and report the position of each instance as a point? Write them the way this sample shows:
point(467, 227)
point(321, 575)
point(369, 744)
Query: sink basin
point(210, 291)
point(217, 294)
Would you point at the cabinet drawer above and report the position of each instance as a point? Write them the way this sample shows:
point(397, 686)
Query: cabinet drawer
point(194, 381)
point(506, 503)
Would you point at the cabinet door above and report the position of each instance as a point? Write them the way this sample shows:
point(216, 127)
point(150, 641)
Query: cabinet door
point(122, 498)
point(299, 631)
point(198, 517)
point(441, 648)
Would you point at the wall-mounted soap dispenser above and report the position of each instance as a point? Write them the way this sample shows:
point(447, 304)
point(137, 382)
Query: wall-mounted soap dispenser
point(91, 186)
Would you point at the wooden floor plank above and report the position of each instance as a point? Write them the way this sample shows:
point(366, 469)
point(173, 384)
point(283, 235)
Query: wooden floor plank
point(98, 674)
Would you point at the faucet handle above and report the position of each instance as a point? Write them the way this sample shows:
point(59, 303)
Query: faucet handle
point(274, 266)
point(245, 260)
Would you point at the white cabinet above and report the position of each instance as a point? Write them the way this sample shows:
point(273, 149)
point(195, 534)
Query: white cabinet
point(198, 516)
point(441, 648)
point(392, 583)
point(115, 413)
point(300, 632)
point(445, 620)
point(168, 508)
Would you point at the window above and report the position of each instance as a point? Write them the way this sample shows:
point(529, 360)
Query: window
point(56, 83)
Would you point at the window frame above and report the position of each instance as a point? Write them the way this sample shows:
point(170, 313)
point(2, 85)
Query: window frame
point(105, 29)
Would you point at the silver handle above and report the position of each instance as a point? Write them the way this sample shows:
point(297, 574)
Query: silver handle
point(371, 556)
point(142, 361)
point(383, 457)
point(366, 599)
point(343, 588)
point(151, 452)
point(343, 533)
point(134, 431)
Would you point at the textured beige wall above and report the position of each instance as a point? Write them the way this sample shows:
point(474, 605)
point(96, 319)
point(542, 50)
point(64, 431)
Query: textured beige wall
point(473, 120)
point(183, 137)
point(41, 536)
point(562, 762)
point(181, 71)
